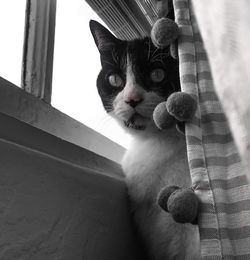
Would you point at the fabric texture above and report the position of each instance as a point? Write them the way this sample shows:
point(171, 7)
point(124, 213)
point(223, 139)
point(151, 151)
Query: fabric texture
point(216, 169)
point(224, 26)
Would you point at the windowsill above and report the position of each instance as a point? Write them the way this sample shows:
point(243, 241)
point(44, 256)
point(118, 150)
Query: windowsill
point(33, 139)
point(23, 106)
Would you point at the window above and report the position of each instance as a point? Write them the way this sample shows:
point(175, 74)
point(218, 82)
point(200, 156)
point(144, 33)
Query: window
point(12, 17)
point(74, 71)
point(76, 66)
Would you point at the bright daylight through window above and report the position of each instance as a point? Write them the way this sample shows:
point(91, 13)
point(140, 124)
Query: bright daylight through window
point(76, 62)
point(12, 19)
point(76, 66)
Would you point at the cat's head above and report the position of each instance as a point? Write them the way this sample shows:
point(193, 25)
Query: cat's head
point(135, 77)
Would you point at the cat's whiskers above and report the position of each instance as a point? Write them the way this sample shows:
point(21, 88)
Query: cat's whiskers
point(115, 57)
point(149, 49)
point(107, 62)
point(152, 55)
point(159, 60)
point(159, 57)
point(123, 63)
point(160, 54)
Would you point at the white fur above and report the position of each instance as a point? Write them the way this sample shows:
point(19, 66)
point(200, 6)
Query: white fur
point(155, 159)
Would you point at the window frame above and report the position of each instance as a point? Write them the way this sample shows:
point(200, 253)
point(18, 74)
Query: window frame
point(38, 50)
point(31, 104)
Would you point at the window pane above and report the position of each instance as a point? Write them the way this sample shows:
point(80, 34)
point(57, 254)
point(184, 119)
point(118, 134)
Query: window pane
point(12, 19)
point(76, 66)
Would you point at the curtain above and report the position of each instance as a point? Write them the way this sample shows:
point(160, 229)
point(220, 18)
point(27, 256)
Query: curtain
point(225, 29)
point(216, 167)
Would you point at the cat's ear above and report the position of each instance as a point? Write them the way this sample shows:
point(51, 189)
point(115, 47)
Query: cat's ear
point(104, 39)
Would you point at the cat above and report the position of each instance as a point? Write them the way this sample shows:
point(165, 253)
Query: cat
point(134, 78)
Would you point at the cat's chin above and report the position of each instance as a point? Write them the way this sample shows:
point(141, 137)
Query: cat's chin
point(136, 122)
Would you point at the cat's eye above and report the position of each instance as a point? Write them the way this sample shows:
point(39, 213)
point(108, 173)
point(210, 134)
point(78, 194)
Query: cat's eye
point(157, 75)
point(115, 80)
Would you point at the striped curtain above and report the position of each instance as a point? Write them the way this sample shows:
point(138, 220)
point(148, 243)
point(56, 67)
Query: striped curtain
point(227, 41)
point(215, 165)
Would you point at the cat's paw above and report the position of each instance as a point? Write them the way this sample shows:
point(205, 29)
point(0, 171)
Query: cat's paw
point(181, 203)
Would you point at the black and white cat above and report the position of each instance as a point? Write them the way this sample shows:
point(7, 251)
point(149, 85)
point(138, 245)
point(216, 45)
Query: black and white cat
point(134, 78)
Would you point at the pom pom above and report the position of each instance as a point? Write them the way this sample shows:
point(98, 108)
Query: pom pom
point(164, 195)
point(182, 204)
point(161, 117)
point(174, 50)
point(164, 32)
point(181, 106)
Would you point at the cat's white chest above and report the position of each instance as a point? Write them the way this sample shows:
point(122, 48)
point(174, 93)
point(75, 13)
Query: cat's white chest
point(145, 156)
point(154, 162)
point(149, 165)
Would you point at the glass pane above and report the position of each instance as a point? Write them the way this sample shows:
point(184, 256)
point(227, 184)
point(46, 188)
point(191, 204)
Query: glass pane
point(12, 20)
point(76, 66)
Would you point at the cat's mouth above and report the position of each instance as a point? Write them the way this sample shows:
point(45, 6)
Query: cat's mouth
point(131, 123)
point(134, 126)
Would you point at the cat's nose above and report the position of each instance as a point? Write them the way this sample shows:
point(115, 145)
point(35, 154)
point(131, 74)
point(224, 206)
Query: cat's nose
point(132, 96)
point(133, 103)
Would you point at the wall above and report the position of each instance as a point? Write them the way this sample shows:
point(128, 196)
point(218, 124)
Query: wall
point(59, 201)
